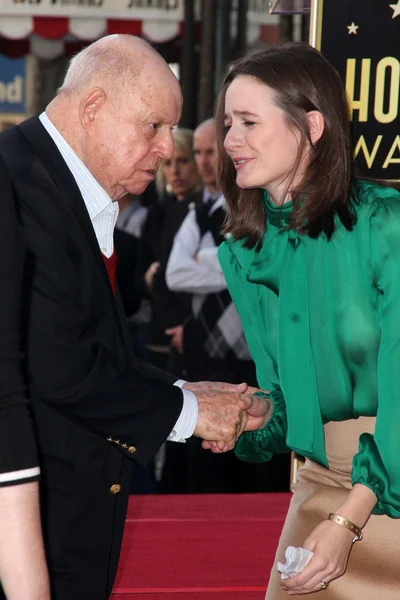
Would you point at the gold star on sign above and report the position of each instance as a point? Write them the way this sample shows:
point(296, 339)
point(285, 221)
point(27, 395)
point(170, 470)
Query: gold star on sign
point(353, 28)
point(396, 9)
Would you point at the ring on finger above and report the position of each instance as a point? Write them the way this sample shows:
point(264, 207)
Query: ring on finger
point(324, 584)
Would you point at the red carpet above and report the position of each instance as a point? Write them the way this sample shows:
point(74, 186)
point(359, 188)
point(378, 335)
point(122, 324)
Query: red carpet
point(206, 547)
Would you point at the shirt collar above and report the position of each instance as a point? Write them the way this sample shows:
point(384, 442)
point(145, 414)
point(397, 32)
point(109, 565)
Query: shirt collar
point(94, 195)
point(207, 195)
point(218, 203)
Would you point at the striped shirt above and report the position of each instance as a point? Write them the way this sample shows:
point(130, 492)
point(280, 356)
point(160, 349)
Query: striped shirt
point(103, 213)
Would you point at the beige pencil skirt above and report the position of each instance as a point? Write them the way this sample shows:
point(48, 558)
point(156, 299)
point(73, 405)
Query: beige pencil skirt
point(373, 571)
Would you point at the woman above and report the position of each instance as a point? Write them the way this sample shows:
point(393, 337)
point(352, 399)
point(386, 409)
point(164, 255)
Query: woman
point(23, 572)
point(163, 221)
point(312, 265)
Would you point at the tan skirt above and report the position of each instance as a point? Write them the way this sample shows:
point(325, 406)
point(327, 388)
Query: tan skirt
point(373, 571)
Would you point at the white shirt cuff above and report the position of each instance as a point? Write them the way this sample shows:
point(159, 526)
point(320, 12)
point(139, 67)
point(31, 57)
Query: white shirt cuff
point(180, 383)
point(186, 423)
point(21, 475)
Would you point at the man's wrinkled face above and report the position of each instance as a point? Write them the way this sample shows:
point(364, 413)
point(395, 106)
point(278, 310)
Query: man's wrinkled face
point(128, 139)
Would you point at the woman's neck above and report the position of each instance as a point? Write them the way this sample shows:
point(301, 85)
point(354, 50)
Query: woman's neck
point(279, 200)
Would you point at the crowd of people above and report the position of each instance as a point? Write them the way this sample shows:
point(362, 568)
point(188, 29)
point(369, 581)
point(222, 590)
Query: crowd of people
point(180, 313)
point(136, 346)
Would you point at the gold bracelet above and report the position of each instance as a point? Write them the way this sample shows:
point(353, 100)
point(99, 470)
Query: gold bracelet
point(348, 524)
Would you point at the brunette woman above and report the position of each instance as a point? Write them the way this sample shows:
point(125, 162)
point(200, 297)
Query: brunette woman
point(313, 267)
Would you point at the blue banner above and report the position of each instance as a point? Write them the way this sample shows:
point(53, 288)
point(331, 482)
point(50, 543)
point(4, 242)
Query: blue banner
point(12, 85)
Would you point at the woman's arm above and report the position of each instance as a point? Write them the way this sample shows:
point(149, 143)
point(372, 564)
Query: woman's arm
point(358, 506)
point(332, 543)
point(23, 570)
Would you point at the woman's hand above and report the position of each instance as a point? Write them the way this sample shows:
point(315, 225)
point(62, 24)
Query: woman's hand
point(331, 545)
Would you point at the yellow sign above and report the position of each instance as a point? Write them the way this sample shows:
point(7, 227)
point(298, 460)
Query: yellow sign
point(360, 38)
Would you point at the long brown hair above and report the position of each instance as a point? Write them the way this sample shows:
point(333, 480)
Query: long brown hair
point(303, 81)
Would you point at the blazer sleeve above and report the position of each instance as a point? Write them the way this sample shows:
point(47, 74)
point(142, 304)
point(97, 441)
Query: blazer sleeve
point(18, 456)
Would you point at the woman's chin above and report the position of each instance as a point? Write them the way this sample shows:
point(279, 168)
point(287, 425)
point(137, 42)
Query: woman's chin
point(244, 184)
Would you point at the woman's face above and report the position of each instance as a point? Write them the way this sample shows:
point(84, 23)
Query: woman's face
point(258, 140)
point(180, 173)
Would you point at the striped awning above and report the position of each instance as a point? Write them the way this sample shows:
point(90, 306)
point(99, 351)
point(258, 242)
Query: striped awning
point(50, 37)
point(55, 28)
point(50, 28)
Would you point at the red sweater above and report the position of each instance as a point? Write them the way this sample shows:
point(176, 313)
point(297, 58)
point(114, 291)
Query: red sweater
point(111, 266)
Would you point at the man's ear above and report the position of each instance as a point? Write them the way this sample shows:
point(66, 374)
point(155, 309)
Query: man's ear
point(90, 106)
point(316, 125)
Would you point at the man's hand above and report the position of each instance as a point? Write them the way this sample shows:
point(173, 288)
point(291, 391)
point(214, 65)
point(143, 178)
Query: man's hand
point(176, 334)
point(258, 409)
point(220, 417)
point(149, 275)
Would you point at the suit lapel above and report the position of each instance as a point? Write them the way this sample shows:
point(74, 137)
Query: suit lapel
point(54, 165)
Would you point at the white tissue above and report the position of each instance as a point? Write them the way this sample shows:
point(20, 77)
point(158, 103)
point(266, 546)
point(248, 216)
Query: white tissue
point(296, 560)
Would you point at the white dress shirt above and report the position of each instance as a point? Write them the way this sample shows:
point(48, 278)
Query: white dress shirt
point(103, 213)
point(193, 264)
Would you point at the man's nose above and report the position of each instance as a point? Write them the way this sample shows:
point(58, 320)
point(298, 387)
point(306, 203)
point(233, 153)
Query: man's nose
point(166, 145)
point(203, 163)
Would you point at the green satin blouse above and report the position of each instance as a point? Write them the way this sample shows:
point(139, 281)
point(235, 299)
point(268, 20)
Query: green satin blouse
point(322, 321)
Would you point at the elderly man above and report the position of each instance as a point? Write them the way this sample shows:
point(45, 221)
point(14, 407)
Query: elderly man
point(96, 407)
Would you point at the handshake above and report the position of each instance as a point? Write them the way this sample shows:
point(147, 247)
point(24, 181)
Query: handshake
point(226, 410)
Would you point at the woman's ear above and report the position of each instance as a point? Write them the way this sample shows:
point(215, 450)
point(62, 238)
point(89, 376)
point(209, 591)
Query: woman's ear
point(316, 125)
point(90, 105)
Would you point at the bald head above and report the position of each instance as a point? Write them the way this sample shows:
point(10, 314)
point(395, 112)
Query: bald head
point(114, 62)
point(116, 109)
point(205, 152)
point(206, 127)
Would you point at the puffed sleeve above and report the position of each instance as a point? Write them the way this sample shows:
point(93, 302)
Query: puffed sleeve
point(18, 456)
point(377, 463)
point(254, 446)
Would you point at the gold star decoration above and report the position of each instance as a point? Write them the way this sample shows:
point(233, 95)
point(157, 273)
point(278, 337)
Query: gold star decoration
point(353, 28)
point(396, 9)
